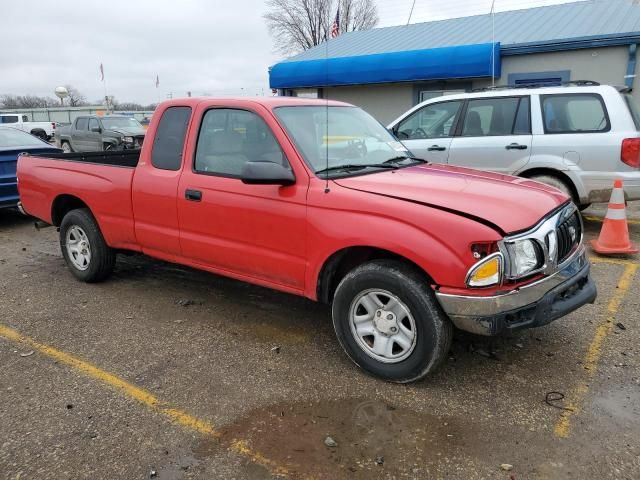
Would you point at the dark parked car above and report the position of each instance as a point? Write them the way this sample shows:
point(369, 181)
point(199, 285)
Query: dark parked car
point(13, 142)
point(94, 134)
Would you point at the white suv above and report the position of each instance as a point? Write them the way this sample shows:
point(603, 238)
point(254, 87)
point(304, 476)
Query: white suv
point(578, 137)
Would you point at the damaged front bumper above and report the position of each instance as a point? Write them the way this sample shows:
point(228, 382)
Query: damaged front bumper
point(532, 305)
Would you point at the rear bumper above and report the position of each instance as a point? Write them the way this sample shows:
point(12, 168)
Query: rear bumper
point(530, 306)
point(598, 185)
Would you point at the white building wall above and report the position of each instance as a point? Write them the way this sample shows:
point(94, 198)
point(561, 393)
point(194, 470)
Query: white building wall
point(607, 65)
point(384, 102)
point(604, 65)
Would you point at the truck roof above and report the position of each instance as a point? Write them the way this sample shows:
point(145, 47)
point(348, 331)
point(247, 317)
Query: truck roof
point(268, 102)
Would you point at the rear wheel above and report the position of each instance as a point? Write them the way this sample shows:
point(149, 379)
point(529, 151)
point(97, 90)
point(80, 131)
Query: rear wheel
point(84, 250)
point(557, 183)
point(66, 148)
point(388, 321)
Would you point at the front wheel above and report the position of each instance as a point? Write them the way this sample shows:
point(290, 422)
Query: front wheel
point(388, 321)
point(84, 249)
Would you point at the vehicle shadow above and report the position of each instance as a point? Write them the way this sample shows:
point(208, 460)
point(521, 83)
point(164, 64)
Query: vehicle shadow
point(11, 217)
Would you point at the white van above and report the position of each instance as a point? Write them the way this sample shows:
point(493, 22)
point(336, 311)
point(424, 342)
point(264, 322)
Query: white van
point(577, 137)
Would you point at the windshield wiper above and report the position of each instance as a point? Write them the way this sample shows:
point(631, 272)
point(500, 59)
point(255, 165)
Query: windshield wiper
point(355, 166)
point(404, 157)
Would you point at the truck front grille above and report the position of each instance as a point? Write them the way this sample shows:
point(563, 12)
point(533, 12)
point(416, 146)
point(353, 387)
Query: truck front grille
point(569, 234)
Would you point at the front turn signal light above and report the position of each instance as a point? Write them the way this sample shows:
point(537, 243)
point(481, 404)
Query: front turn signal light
point(486, 272)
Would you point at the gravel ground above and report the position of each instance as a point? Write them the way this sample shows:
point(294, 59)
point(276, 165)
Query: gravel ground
point(205, 346)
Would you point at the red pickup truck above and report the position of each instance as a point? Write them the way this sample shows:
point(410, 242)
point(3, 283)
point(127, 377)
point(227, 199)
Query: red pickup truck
point(316, 198)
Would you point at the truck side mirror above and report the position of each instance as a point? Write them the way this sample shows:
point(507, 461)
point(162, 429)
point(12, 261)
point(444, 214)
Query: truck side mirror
point(266, 173)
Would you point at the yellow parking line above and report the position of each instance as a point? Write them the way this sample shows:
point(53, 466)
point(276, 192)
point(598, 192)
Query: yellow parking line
point(594, 352)
point(592, 218)
point(614, 261)
point(143, 396)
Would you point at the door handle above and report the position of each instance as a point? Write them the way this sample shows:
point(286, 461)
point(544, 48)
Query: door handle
point(436, 148)
point(193, 195)
point(516, 146)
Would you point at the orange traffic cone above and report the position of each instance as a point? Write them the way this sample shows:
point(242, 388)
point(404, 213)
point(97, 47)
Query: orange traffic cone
point(614, 236)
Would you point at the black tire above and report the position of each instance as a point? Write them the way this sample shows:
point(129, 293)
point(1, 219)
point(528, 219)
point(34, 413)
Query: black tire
point(433, 330)
point(558, 183)
point(68, 145)
point(41, 134)
point(103, 258)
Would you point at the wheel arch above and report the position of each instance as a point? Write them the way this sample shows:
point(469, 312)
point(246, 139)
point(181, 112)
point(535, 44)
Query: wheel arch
point(552, 172)
point(36, 131)
point(63, 204)
point(341, 262)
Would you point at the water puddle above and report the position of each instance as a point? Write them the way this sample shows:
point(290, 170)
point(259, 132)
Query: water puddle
point(373, 440)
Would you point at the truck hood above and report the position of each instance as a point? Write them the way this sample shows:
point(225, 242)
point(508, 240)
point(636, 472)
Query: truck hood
point(127, 131)
point(509, 204)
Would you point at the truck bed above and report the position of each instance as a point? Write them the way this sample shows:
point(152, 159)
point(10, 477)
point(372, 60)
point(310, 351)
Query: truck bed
point(118, 158)
point(100, 180)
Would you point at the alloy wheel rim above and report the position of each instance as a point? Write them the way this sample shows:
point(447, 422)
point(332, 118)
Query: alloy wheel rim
point(382, 326)
point(78, 247)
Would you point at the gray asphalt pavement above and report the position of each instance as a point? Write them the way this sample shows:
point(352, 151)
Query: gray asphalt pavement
point(166, 372)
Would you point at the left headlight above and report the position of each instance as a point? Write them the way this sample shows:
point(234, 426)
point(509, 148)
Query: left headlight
point(525, 256)
point(128, 139)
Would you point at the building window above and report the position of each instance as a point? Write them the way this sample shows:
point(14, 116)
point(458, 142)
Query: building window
point(545, 79)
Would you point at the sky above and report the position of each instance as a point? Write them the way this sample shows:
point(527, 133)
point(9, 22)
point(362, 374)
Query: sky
point(212, 47)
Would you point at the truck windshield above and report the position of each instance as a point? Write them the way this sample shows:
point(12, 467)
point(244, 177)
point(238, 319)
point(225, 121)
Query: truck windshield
point(120, 122)
point(331, 137)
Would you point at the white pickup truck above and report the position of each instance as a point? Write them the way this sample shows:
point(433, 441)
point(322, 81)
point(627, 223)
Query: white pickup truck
point(42, 130)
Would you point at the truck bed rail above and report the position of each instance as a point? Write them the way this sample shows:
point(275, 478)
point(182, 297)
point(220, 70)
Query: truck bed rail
point(120, 158)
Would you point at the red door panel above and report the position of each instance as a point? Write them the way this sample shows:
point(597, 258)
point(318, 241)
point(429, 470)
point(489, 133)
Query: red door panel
point(257, 231)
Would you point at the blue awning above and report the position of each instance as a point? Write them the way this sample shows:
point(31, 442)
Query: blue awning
point(465, 61)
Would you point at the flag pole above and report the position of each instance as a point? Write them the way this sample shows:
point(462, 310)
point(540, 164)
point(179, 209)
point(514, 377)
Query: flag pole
point(493, 43)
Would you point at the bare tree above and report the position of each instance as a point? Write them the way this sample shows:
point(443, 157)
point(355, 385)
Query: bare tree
point(26, 101)
point(132, 106)
point(297, 25)
point(75, 98)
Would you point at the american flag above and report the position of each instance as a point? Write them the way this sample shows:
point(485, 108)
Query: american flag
point(335, 28)
point(157, 81)
point(101, 73)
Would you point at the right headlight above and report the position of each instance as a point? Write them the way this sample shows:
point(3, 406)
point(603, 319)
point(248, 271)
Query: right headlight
point(525, 257)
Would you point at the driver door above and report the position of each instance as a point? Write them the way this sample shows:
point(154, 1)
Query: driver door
point(428, 131)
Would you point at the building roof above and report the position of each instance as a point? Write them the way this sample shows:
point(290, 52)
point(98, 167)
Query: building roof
point(582, 24)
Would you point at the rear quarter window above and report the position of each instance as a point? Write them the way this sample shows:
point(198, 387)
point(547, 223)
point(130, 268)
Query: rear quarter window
point(574, 113)
point(169, 138)
point(633, 109)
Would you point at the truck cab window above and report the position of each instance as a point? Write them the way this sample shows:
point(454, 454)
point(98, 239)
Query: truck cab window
point(25, 118)
point(229, 138)
point(169, 140)
point(9, 119)
point(93, 123)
